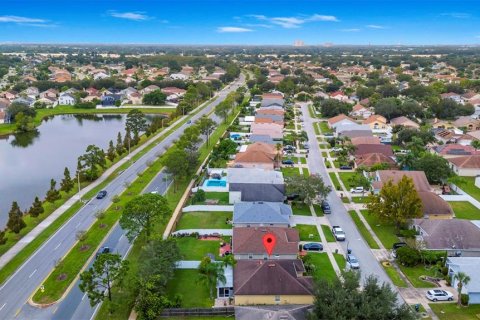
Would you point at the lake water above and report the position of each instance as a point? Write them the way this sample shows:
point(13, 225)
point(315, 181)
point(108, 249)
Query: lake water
point(29, 161)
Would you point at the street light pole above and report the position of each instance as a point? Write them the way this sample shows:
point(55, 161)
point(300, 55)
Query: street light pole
point(78, 180)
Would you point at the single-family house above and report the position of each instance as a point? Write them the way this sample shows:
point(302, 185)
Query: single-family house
point(254, 184)
point(247, 243)
point(404, 122)
point(272, 129)
point(261, 138)
point(453, 96)
point(272, 102)
point(356, 133)
point(465, 165)
point(340, 119)
point(225, 289)
point(257, 155)
point(469, 266)
point(271, 282)
point(65, 99)
point(360, 111)
point(377, 123)
point(467, 122)
point(454, 235)
point(2, 117)
point(364, 140)
point(453, 150)
point(342, 127)
point(433, 205)
point(259, 214)
point(339, 95)
point(149, 89)
point(370, 159)
point(269, 118)
point(362, 149)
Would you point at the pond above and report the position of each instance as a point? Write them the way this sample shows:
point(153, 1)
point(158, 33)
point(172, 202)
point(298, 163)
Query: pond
point(28, 161)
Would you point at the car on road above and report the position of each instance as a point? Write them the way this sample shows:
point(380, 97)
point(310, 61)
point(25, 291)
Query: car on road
point(439, 295)
point(338, 233)
point(326, 207)
point(189, 121)
point(352, 262)
point(288, 162)
point(313, 247)
point(154, 192)
point(103, 250)
point(336, 149)
point(345, 168)
point(306, 146)
point(102, 194)
point(357, 190)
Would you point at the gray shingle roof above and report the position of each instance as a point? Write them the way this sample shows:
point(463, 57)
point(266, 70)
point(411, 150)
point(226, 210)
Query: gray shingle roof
point(261, 213)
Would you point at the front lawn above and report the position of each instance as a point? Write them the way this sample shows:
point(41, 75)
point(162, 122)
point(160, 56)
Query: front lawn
point(413, 274)
point(367, 236)
point(328, 233)
point(185, 283)
point(359, 199)
point(290, 172)
point(222, 197)
point(345, 177)
point(301, 209)
point(323, 267)
point(451, 311)
point(340, 260)
point(465, 210)
point(306, 230)
point(306, 173)
point(394, 276)
point(194, 249)
point(324, 127)
point(318, 210)
point(385, 231)
point(335, 182)
point(204, 220)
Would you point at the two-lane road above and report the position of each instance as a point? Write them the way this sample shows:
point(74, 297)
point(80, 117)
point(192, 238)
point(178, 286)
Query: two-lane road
point(18, 288)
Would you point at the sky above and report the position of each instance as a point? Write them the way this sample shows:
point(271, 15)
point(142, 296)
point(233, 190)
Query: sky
point(246, 22)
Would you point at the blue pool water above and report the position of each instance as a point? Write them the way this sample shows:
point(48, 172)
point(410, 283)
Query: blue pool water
point(215, 183)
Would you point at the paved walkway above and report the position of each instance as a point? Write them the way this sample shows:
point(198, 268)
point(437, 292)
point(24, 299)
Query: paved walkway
point(184, 264)
point(223, 232)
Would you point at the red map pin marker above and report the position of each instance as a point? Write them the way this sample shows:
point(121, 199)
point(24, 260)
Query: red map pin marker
point(269, 241)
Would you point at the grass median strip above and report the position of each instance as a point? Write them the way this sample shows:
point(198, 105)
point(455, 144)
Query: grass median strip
point(393, 274)
point(328, 233)
point(367, 236)
point(335, 182)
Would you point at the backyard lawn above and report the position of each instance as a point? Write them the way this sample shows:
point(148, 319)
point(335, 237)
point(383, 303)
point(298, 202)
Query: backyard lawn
point(335, 182)
point(470, 188)
point(451, 311)
point(185, 283)
point(465, 210)
point(222, 197)
point(323, 267)
point(413, 274)
point(394, 276)
point(192, 248)
point(301, 209)
point(328, 233)
point(204, 220)
point(306, 230)
point(363, 230)
point(385, 232)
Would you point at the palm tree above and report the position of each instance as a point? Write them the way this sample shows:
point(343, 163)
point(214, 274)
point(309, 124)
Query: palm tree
point(210, 273)
point(406, 160)
point(278, 155)
point(462, 280)
point(476, 144)
point(229, 261)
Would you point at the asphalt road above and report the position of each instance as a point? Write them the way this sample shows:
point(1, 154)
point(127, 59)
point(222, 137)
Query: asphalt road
point(21, 285)
point(368, 263)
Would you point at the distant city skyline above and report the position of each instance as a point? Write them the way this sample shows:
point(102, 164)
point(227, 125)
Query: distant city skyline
point(244, 22)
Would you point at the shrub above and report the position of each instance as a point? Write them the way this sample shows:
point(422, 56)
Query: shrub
point(199, 196)
point(464, 299)
point(409, 233)
point(408, 256)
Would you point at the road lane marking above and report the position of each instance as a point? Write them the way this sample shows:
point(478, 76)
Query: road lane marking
point(55, 309)
point(84, 295)
point(3, 306)
point(18, 312)
point(58, 245)
point(77, 225)
point(120, 237)
point(32, 273)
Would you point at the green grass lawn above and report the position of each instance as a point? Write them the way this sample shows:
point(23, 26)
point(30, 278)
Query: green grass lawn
point(345, 200)
point(328, 233)
point(303, 160)
point(324, 127)
point(317, 129)
point(185, 283)
point(306, 173)
point(318, 210)
point(465, 210)
point(301, 209)
point(342, 263)
point(413, 274)
point(363, 230)
point(394, 276)
point(345, 177)
point(307, 230)
point(335, 182)
point(385, 232)
point(324, 154)
point(323, 267)
point(222, 197)
point(470, 188)
point(204, 220)
point(451, 311)
point(359, 199)
point(290, 172)
point(194, 249)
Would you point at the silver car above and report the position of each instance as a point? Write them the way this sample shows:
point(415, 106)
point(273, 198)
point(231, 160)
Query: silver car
point(439, 295)
point(352, 262)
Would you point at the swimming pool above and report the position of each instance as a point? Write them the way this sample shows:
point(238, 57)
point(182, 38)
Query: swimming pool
point(215, 183)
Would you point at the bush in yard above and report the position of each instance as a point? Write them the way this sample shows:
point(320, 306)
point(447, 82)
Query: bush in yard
point(199, 196)
point(464, 300)
point(408, 257)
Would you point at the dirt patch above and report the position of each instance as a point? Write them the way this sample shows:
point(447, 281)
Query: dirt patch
point(102, 225)
point(62, 277)
point(84, 247)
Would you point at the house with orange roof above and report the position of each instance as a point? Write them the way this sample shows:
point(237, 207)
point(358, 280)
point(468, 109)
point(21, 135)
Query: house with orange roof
point(340, 119)
point(360, 111)
point(339, 95)
point(274, 130)
point(377, 123)
point(258, 155)
point(468, 166)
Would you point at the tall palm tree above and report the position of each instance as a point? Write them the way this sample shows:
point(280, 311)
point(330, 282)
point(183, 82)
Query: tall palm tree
point(462, 280)
point(406, 160)
point(278, 155)
point(210, 273)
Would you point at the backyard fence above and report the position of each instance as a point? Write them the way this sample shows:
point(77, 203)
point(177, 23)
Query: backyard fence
point(181, 312)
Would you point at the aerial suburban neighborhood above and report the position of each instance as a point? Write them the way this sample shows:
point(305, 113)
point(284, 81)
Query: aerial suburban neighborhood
point(290, 162)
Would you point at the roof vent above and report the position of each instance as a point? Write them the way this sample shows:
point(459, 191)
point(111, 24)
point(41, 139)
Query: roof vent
point(271, 265)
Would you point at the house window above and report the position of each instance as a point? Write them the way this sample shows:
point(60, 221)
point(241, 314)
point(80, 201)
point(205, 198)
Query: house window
point(250, 256)
point(277, 299)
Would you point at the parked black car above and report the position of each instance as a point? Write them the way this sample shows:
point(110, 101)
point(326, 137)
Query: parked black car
point(313, 247)
point(103, 250)
point(345, 168)
point(293, 196)
point(326, 207)
point(102, 194)
point(288, 162)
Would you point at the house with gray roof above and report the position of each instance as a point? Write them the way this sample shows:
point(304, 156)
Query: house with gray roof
point(274, 214)
point(255, 184)
point(265, 138)
point(468, 265)
point(272, 102)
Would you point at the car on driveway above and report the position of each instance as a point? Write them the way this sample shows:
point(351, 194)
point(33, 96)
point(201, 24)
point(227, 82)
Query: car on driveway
point(288, 162)
point(338, 233)
point(102, 194)
point(439, 295)
point(326, 207)
point(357, 190)
point(352, 262)
point(345, 168)
point(313, 247)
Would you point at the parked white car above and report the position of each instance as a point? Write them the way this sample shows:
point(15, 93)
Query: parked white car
point(439, 295)
point(357, 190)
point(338, 233)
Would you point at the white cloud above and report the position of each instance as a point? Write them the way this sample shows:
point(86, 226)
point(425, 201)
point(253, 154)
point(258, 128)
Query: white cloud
point(26, 21)
point(233, 30)
point(375, 26)
point(458, 15)
point(350, 30)
point(134, 16)
point(293, 22)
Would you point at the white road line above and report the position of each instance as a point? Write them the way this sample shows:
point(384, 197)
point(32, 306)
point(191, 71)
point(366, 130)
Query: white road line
point(58, 245)
point(84, 295)
point(120, 237)
point(77, 225)
point(3, 306)
point(32, 273)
